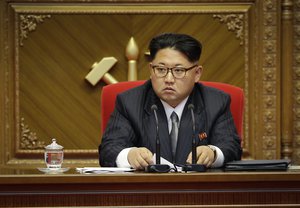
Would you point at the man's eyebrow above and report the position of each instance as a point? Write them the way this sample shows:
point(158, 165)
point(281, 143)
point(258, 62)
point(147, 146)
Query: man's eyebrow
point(176, 65)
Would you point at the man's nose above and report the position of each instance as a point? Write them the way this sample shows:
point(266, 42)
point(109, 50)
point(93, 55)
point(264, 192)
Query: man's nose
point(169, 77)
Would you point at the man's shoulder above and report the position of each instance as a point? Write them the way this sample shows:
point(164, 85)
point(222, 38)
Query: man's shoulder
point(135, 99)
point(212, 98)
point(138, 90)
point(206, 90)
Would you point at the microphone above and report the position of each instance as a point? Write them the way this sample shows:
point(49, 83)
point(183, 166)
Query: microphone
point(157, 141)
point(194, 154)
point(157, 168)
point(194, 166)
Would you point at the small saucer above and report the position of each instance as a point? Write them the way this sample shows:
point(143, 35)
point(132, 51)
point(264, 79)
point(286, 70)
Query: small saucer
point(53, 171)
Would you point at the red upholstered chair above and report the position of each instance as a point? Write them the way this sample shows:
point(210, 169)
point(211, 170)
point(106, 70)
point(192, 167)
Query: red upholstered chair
point(110, 92)
point(108, 97)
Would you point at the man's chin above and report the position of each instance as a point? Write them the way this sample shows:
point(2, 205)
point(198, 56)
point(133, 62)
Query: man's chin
point(170, 100)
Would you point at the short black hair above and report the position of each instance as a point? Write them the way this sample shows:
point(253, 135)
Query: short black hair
point(186, 44)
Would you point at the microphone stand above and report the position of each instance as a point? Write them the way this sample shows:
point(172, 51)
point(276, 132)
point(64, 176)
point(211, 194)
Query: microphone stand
point(194, 166)
point(157, 168)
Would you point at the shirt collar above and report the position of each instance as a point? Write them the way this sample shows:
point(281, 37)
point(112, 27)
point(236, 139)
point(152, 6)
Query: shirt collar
point(178, 109)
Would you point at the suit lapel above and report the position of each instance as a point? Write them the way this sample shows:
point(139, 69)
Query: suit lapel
point(149, 124)
point(185, 134)
point(184, 142)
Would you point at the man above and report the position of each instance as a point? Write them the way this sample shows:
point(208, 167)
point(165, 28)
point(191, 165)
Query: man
point(129, 138)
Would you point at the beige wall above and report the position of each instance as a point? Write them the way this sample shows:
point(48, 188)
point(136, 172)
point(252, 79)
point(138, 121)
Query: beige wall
point(48, 49)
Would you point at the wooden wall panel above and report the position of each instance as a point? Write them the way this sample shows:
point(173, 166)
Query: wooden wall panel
point(49, 49)
point(296, 82)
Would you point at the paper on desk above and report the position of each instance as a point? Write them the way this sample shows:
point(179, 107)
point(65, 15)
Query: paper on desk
point(115, 169)
point(103, 169)
point(162, 161)
point(166, 162)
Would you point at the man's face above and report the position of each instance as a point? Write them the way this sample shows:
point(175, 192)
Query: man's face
point(170, 89)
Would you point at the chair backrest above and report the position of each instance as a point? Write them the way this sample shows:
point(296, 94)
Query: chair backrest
point(109, 93)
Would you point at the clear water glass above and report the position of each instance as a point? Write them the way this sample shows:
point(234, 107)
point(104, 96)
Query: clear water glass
point(54, 155)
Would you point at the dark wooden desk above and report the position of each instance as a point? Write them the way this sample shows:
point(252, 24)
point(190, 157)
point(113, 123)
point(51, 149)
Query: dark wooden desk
point(248, 189)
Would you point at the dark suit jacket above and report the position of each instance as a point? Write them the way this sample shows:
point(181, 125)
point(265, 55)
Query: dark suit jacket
point(132, 124)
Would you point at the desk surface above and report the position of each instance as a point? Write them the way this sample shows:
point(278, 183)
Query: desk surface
point(215, 187)
point(33, 176)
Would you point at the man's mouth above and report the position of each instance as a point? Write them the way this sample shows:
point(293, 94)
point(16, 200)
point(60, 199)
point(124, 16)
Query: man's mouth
point(169, 89)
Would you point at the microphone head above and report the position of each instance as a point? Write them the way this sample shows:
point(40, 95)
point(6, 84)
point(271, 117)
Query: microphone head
point(154, 107)
point(191, 106)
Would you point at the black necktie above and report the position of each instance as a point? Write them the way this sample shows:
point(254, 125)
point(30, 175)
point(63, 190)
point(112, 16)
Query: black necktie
point(174, 132)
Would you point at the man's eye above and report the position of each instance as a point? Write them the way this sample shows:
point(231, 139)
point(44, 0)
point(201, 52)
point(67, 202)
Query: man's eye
point(178, 70)
point(160, 69)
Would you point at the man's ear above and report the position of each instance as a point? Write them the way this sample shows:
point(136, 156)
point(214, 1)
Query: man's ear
point(198, 73)
point(150, 70)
